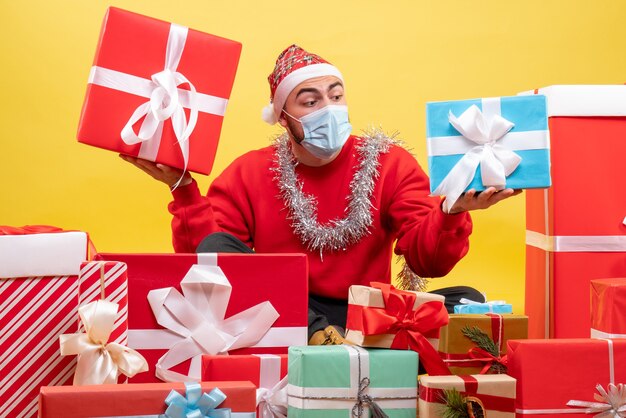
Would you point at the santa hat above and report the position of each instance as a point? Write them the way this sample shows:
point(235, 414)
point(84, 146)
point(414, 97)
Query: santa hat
point(293, 66)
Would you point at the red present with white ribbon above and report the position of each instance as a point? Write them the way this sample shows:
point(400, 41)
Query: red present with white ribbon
point(158, 91)
point(608, 308)
point(569, 243)
point(184, 305)
point(34, 310)
point(560, 377)
point(383, 316)
point(268, 372)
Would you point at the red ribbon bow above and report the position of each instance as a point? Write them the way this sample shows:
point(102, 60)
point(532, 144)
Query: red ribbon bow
point(478, 354)
point(411, 326)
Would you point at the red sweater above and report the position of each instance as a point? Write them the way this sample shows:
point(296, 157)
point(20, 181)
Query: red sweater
point(245, 201)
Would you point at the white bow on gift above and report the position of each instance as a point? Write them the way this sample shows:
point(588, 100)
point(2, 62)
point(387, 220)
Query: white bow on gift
point(272, 402)
point(496, 162)
point(99, 362)
point(167, 102)
point(198, 319)
point(466, 301)
point(610, 404)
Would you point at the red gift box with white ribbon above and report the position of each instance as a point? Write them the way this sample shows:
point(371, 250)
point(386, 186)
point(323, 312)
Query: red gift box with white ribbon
point(268, 372)
point(568, 242)
point(184, 305)
point(560, 377)
point(158, 91)
point(39, 267)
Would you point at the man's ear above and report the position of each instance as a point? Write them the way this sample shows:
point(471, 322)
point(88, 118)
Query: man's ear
point(282, 119)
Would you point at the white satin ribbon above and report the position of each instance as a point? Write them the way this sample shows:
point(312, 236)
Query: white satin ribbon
point(155, 339)
point(465, 301)
point(603, 335)
point(197, 319)
point(99, 362)
point(576, 243)
point(271, 396)
point(609, 404)
point(496, 162)
point(272, 402)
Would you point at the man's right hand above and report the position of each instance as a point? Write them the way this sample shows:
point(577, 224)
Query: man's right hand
point(160, 172)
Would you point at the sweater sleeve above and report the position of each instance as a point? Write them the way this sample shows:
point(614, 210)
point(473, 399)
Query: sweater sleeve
point(225, 208)
point(431, 241)
point(193, 218)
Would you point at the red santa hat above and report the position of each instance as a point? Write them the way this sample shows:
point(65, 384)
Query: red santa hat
point(293, 66)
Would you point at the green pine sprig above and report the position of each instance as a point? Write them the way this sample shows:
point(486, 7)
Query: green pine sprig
point(458, 406)
point(483, 341)
point(455, 406)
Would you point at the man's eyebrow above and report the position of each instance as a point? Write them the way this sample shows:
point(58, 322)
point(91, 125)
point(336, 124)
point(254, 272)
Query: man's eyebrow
point(335, 84)
point(307, 90)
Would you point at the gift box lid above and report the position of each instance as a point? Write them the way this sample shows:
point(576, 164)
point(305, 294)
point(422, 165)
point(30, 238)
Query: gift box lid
point(583, 100)
point(57, 253)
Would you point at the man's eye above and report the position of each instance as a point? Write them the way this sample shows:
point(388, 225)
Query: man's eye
point(337, 97)
point(310, 103)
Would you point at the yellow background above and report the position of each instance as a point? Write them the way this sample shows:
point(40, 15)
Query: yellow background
point(395, 56)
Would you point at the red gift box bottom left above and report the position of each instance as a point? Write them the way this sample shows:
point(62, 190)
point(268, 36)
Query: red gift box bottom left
point(134, 399)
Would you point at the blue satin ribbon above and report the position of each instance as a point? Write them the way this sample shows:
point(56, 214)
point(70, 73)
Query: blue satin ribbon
point(196, 404)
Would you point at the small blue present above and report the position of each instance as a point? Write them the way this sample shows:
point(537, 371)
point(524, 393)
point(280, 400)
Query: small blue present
point(500, 142)
point(471, 307)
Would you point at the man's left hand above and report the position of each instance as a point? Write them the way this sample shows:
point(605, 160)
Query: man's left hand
point(471, 200)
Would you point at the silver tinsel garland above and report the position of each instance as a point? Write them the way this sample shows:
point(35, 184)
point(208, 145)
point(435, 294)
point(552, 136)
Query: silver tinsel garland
point(337, 234)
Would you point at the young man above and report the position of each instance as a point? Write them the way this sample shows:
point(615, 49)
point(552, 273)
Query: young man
point(344, 200)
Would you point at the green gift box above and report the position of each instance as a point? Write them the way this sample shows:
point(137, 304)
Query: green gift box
point(342, 381)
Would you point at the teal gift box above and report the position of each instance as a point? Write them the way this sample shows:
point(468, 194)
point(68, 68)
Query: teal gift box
point(500, 141)
point(342, 381)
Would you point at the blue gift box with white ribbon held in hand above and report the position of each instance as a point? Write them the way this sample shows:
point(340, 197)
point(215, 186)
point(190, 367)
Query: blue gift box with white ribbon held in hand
point(500, 142)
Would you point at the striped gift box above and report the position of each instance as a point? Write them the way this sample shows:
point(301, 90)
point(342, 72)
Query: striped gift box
point(34, 310)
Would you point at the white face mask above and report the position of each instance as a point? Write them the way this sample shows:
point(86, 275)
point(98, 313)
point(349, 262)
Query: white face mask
point(325, 131)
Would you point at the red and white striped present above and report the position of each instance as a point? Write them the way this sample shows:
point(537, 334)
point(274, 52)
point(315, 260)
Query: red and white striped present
point(34, 311)
point(106, 280)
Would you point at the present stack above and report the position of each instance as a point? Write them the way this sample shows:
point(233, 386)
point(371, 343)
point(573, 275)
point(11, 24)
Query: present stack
point(569, 243)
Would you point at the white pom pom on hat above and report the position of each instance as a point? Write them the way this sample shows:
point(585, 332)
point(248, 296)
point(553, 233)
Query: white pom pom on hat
point(268, 115)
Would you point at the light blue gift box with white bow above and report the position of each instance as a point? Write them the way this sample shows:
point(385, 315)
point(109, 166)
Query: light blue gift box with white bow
point(471, 307)
point(474, 144)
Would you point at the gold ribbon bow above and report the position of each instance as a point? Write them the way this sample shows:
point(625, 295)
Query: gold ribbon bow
point(610, 404)
point(99, 362)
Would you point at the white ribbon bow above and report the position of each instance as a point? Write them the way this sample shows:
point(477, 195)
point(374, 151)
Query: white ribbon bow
point(465, 301)
point(165, 102)
point(272, 402)
point(496, 162)
point(99, 362)
point(198, 317)
point(611, 404)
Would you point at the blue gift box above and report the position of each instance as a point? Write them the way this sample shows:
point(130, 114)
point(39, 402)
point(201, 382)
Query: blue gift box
point(483, 308)
point(520, 126)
